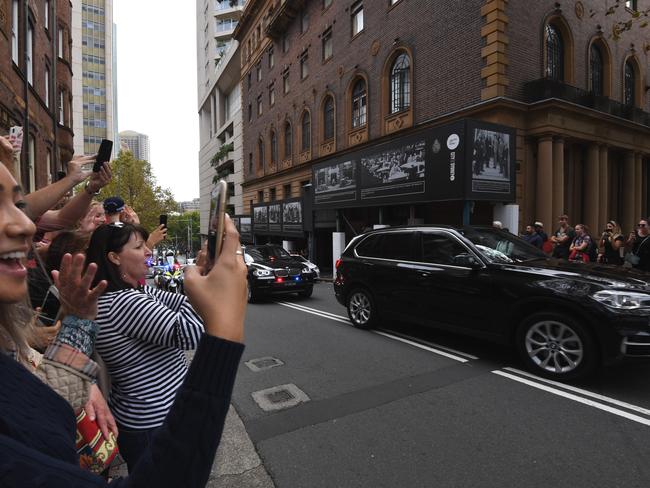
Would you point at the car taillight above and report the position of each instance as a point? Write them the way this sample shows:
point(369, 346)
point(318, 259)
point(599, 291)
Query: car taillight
point(338, 263)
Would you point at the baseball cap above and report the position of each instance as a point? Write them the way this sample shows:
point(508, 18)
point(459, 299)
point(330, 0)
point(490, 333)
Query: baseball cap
point(538, 224)
point(113, 205)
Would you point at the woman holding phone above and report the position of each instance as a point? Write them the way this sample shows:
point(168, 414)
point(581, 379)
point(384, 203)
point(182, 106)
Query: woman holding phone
point(37, 432)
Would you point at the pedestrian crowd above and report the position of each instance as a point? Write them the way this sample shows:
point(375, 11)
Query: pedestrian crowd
point(578, 243)
point(92, 360)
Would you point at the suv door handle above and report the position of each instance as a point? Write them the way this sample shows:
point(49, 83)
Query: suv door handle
point(425, 274)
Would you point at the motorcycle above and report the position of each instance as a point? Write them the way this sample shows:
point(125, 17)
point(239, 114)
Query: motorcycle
point(173, 281)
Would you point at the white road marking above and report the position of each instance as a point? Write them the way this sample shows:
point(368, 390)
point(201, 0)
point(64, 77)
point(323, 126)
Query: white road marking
point(296, 305)
point(313, 312)
point(422, 346)
point(575, 398)
point(432, 344)
point(587, 393)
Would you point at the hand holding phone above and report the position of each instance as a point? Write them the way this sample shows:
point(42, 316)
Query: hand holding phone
point(163, 220)
point(103, 155)
point(217, 220)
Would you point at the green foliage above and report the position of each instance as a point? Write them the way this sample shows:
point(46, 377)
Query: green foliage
point(218, 158)
point(177, 231)
point(134, 182)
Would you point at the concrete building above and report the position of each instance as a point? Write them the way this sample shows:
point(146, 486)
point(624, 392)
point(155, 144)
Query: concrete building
point(190, 206)
point(137, 143)
point(95, 75)
point(219, 102)
point(36, 86)
point(345, 90)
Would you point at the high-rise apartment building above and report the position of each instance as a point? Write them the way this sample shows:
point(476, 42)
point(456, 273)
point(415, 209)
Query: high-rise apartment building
point(218, 76)
point(94, 81)
point(137, 143)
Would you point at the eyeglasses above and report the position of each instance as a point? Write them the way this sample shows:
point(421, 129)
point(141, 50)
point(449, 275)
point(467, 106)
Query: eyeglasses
point(117, 224)
point(642, 225)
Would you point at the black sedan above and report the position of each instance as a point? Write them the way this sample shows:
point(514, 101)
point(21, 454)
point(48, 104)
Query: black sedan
point(273, 271)
point(564, 318)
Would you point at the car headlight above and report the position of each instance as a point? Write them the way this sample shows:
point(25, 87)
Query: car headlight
point(306, 270)
point(622, 300)
point(261, 272)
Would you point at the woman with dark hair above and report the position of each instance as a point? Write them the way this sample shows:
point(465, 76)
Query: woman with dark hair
point(37, 427)
point(143, 333)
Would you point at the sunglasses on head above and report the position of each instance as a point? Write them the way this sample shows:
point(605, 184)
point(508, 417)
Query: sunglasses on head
point(642, 225)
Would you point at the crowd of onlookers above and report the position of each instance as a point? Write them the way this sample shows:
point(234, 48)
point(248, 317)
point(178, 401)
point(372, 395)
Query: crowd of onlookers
point(92, 360)
point(578, 243)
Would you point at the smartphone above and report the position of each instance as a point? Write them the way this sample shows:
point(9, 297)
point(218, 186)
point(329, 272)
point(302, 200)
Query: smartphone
point(163, 220)
point(103, 155)
point(217, 220)
point(50, 307)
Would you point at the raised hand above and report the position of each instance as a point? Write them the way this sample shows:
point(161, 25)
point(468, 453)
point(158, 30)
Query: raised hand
point(219, 297)
point(100, 179)
point(76, 169)
point(74, 285)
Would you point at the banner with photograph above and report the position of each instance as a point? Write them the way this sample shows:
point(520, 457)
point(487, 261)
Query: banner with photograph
point(275, 217)
point(292, 216)
point(245, 227)
point(260, 218)
point(465, 160)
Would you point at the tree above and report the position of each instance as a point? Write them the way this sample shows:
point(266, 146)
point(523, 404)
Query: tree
point(178, 226)
point(134, 182)
point(218, 158)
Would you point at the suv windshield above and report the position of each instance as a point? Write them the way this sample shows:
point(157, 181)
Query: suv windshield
point(264, 253)
point(498, 246)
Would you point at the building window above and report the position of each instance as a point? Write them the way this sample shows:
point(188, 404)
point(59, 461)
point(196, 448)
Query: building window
point(554, 53)
point(61, 100)
point(272, 195)
point(286, 190)
point(328, 118)
point(359, 104)
point(326, 3)
point(285, 81)
point(260, 196)
point(304, 67)
point(288, 140)
point(272, 94)
point(271, 58)
point(274, 147)
point(59, 51)
point(596, 71)
point(357, 18)
point(630, 84)
point(14, 31)
point(250, 112)
point(46, 93)
point(30, 53)
point(285, 43)
point(305, 127)
point(260, 154)
point(48, 165)
point(250, 163)
point(258, 70)
point(249, 80)
point(393, 2)
point(31, 147)
point(327, 44)
point(259, 105)
point(631, 4)
point(46, 16)
point(304, 22)
point(400, 84)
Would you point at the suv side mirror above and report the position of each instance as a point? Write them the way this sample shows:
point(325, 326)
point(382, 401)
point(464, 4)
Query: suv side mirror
point(467, 260)
point(248, 259)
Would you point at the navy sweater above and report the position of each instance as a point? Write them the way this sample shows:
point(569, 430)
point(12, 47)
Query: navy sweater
point(37, 428)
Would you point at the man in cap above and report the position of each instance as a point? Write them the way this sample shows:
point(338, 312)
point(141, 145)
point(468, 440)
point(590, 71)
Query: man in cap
point(113, 206)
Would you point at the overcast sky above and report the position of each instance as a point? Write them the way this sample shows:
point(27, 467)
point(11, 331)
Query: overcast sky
point(156, 86)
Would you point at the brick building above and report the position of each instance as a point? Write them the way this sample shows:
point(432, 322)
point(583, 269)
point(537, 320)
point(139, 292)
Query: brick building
point(35, 85)
point(327, 81)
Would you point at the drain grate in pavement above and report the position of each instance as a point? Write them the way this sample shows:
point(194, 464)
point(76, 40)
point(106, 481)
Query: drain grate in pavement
point(260, 364)
point(279, 397)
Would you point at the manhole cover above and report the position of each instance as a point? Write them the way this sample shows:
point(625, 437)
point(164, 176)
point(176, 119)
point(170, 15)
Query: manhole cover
point(279, 397)
point(261, 364)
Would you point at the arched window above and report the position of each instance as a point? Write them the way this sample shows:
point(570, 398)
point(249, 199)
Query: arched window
point(328, 118)
point(288, 140)
point(597, 70)
point(274, 147)
point(359, 104)
point(400, 84)
point(260, 154)
point(305, 126)
point(554, 53)
point(629, 97)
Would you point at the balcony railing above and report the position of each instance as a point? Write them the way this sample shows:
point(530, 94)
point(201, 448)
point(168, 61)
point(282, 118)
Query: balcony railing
point(227, 5)
point(545, 88)
point(284, 14)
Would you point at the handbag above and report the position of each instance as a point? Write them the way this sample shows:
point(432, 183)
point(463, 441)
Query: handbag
point(632, 258)
point(96, 452)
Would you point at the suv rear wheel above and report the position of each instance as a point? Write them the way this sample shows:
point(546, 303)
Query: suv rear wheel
point(361, 308)
point(556, 346)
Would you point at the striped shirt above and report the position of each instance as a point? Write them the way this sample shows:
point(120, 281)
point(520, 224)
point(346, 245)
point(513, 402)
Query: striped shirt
point(142, 336)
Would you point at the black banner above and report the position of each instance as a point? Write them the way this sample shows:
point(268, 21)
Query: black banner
point(465, 160)
point(244, 226)
point(279, 218)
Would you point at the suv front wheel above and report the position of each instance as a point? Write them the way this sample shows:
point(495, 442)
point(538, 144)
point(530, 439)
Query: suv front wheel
point(361, 309)
point(556, 346)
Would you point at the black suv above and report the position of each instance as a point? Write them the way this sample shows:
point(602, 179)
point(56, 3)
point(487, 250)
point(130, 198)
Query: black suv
point(272, 270)
point(563, 317)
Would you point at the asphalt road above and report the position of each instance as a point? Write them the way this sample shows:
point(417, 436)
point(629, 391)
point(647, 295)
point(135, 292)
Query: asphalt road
point(412, 407)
